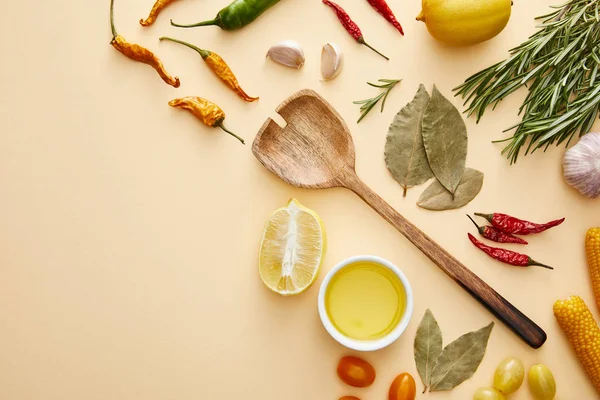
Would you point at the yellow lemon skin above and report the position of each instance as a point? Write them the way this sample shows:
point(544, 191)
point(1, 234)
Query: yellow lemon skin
point(465, 22)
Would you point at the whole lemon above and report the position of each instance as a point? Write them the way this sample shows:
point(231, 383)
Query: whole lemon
point(465, 22)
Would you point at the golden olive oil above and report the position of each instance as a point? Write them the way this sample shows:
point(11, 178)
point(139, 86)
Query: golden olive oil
point(365, 301)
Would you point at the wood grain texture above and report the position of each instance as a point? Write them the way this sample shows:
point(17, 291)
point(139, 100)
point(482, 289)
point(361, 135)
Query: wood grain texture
point(315, 151)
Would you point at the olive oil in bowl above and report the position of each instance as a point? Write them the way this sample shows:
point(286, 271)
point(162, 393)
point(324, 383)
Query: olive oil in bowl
point(365, 303)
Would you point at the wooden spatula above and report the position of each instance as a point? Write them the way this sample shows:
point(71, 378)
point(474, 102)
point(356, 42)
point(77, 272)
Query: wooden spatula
point(315, 151)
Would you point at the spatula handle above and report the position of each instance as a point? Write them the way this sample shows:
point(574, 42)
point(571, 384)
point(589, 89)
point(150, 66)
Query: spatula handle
point(475, 286)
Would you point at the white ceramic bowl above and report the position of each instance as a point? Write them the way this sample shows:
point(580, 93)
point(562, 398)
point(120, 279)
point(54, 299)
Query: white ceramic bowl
point(363, 345)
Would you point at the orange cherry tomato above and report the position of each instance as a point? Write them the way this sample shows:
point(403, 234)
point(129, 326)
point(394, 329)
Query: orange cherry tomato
point(349, 398)
point(403, 388)
point(356, 372)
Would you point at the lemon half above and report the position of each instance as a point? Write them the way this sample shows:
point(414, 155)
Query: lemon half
point(292, 249)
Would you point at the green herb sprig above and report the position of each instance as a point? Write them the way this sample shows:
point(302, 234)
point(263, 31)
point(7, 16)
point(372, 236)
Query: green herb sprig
point(368, 104)
point(559, 65)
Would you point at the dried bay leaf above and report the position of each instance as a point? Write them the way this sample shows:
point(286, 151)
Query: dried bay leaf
point(437, 198)
point(428, 346)
point(460, 359)
point(445, 140)
point(405, 154)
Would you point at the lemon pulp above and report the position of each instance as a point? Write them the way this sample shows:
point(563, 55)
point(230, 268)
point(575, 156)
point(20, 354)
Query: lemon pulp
point(365, 301)
point(292, 249)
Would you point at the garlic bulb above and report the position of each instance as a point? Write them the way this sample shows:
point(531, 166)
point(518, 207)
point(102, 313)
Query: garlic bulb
point(582, 165)
point(332, 60)
point(288, 53)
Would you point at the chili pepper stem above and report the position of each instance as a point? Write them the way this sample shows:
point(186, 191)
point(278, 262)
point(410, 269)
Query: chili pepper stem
point(489, 217)
point(220, 125)
point(112, 18)
point(362, 41)
point(537, 264)
point(202, 52)
point(479, 228)
point(216, 21)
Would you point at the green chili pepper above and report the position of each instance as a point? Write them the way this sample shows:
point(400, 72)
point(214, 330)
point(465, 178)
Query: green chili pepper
point(236, 15)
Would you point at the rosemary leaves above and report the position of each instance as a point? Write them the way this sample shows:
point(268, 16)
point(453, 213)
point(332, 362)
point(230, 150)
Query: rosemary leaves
point(367, 105)
point(559, 65)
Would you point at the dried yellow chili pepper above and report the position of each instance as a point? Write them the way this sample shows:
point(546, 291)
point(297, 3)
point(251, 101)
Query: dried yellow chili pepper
point(138, 53)
point(219, 67)
point(206, 111)
point(158, 7)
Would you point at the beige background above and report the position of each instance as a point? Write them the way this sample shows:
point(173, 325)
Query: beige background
point(129, 231)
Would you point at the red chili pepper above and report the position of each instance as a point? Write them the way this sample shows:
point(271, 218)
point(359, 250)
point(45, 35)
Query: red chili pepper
point(509, 224)
point(496, 235)
point(350, 25)
point(382, 8)
point(507, 256)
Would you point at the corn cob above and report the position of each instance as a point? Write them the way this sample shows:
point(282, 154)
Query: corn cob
point(577, 322)
point(592, 248)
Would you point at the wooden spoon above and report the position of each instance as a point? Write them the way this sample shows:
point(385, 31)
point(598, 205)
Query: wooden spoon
point(315, 151)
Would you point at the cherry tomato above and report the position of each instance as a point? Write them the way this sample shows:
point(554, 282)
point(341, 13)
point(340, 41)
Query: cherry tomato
point(403, 388)
point(356, 372)
point(349, 398)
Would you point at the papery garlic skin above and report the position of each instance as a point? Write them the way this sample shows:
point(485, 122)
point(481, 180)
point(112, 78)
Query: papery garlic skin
point(582, 165)
point(288, 53)
point(332, 60)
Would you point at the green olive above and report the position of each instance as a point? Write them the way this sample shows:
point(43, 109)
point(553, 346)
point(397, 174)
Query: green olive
point(488, 394)
point(509, 375)
point(541, 382)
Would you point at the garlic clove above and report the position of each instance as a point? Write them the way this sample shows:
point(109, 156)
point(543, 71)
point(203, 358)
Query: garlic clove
point(332, 60)
point(288, 53)
point(582, 165)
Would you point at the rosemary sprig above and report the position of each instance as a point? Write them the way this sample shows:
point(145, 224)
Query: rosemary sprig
point(368, 104)
point(559, 66)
